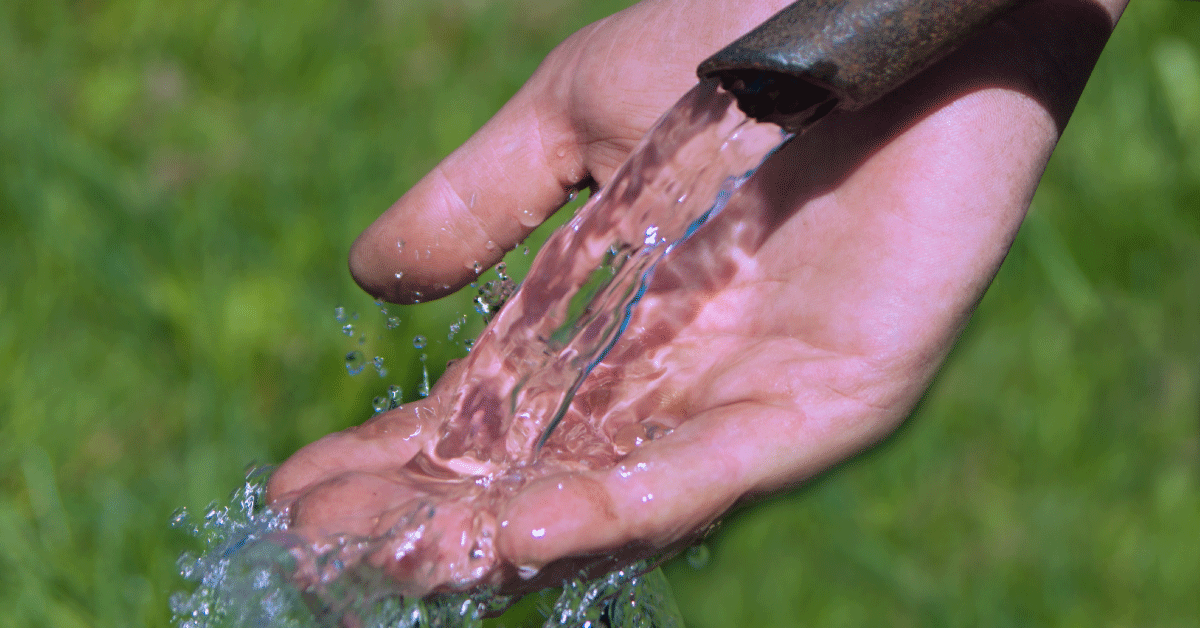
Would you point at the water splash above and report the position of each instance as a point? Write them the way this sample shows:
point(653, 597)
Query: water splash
point(246, 578)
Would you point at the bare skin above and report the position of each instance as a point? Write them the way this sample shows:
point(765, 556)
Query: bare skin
point(795, 330)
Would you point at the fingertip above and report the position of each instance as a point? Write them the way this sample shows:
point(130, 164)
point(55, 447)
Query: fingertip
point(475, 206)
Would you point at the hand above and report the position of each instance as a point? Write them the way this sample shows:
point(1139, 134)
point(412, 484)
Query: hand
point(795, 329)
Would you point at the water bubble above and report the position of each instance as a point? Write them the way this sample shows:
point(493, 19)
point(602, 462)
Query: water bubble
point(419, 342)
point(348, 329)
point(339, 313)
point(393, 322)
point(355, 362)
point(697, 556)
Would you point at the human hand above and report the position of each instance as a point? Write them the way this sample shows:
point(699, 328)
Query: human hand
point(793, 330)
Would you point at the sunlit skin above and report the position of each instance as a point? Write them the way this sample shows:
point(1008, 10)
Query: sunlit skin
point(792, 332)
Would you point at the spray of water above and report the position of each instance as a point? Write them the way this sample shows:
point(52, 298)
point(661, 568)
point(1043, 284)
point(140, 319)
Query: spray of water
point(247, 578)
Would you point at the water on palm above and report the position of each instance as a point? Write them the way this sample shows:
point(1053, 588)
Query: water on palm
point(508, 418)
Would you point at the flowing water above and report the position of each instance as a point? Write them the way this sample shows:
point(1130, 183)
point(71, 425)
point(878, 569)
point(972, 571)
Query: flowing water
point(507, 415)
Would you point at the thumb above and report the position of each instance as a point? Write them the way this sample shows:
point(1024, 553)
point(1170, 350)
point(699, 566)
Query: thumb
point(479, 202)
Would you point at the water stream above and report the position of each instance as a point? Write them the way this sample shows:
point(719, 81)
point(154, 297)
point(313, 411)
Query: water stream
point(506, 418)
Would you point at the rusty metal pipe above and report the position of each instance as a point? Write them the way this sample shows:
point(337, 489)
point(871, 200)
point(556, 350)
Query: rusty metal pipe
point(819, 55)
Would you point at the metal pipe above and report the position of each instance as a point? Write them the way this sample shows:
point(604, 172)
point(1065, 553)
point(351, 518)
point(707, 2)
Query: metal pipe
point(819, 55)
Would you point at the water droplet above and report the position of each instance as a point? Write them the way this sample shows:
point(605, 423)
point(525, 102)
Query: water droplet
point(476, 267)
point(395, 395)
point(502, 270)
point(525, 250)
point(399, 246)
point(469, 344)
point(491, 246)
point(572, 195)
point(457, 326)
point(419, 342)
point(339, 313)
point(651, 235)
point(697, 556)
point(400, 275)
point(348, 329)
point(423, 388)
point(380, 404)
point(527, 572)
point(393, 322)
point(377, 362)
point(355, 362)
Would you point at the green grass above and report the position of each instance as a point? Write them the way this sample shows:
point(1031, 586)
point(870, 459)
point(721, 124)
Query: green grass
point(179, 184)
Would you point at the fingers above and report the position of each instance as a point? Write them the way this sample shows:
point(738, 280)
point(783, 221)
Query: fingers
point(479, 202)
point(674, 487)
point(387, 441)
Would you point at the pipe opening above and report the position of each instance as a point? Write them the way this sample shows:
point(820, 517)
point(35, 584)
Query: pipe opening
point(783, 99)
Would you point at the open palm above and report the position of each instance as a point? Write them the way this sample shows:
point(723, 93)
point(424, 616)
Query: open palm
point(794, 329)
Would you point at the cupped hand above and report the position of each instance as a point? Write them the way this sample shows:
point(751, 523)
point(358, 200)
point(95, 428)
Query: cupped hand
point(793, 330)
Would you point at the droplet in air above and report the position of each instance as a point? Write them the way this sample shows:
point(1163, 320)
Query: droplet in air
point(456, 326)
point(419, 342)
point(423, 389)
point(377, 362)
point(469, 344)
point(525, 250)
point(697, 556)
point(339, 313)
point(572, 194)
point(348, 329)
point(395, 395)
point(355, 362)
point(393, 322)
point(380, 404)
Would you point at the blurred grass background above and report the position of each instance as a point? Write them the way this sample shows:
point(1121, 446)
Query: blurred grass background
point(180, 182)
